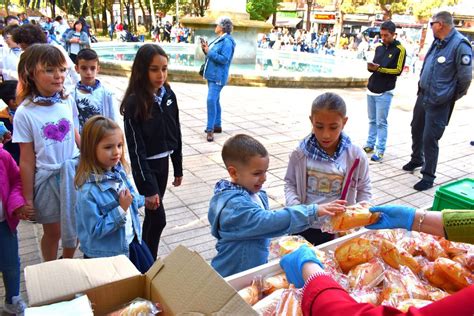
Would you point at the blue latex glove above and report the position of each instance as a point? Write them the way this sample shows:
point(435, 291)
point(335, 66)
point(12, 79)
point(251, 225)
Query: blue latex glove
point(293, 263)
point(393, 216)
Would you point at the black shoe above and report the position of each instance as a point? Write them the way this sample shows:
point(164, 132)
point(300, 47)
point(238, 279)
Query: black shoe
point(217, 129)
point(472, 142)
point(423, 185)
point(411, 166)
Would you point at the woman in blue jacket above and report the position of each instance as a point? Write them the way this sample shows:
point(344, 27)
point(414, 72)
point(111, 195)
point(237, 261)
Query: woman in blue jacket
point(219, 55)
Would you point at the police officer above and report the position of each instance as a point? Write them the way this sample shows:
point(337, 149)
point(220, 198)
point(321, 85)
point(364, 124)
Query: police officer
point(445, 78)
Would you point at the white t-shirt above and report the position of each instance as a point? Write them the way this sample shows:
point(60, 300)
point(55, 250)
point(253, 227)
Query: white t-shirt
point(99, 102)
point(50, 128)
point(324, 181)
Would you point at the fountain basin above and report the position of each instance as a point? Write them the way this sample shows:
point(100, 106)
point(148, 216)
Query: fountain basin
point(272, 68)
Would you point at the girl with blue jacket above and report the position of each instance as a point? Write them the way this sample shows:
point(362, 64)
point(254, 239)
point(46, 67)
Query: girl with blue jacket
point(219, 54)
point(107, 206)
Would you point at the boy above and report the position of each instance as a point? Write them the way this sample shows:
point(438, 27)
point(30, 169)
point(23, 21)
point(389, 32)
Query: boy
point(239, 211)
point(8, 95)
point(90, 96)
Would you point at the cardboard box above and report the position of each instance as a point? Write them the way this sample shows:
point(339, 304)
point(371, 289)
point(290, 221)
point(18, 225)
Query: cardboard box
point(240, 280)
point(182, 283)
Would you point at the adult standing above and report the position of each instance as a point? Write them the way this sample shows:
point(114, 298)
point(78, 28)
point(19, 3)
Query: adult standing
point(387, 65)
point(219, 54)
point(77, 40)
point(445, 77)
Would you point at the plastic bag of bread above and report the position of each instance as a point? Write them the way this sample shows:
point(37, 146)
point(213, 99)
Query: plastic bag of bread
point(415, 302)
point(273, 283)
point(453, 248)
point(431, 248)
point(413, 284)
point(286, 244)
point(289, 304)
point(353, 252)
point(138, 307)
point(355, 216)
point(448, 275)
point(394, 256)
point(251, 294)
point(366, 275)
point(466, 260)
point(366, 295)
point(435, 294)
point(393, 291)
point(267, 305)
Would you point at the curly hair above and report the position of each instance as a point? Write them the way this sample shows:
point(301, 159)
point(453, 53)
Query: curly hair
point(226, 24)
point(29, 34)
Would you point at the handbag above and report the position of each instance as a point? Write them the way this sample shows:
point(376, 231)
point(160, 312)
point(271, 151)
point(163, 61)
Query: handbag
point(201, 70)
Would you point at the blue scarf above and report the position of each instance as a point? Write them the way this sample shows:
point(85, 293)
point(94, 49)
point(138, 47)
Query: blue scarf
point(11, 112)
point(48, 100)
point(158, 97)
point(312, 150)
point(16, 50)
point(89, 89)
point(113, 175)
point(224, 185)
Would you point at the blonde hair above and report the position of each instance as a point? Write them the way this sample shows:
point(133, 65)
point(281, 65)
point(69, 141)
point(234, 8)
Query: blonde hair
point(95, 129)
point(37, 55)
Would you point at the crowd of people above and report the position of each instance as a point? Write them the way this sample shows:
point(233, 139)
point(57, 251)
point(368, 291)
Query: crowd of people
point(67, 168)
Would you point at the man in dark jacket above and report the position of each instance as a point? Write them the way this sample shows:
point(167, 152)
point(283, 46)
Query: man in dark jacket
point(387, 65)
point(445, 78)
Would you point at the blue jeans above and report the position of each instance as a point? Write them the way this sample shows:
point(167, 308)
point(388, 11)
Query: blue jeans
point(377, 109)
point(141, 38)
point(213, 105)
point(9, 262)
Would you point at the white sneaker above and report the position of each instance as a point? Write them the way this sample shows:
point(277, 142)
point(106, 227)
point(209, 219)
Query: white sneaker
point(17, 307)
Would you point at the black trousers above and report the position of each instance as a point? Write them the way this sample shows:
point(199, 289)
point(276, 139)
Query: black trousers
point(427, 128)
point(155, 220)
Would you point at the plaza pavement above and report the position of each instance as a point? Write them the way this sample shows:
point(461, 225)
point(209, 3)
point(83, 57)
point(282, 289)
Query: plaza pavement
point(279, 119)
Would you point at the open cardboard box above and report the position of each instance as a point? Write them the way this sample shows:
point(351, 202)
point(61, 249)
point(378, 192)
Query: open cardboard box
point(243, 279)
point(182, 283)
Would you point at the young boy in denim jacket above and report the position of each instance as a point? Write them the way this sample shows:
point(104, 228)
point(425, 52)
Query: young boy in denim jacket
point(239, 212)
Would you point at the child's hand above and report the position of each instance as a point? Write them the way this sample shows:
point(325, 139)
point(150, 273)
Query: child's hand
point(7, 137)
point(152, 202)
point(125, 199)
point(332, 208)
point(25, 212)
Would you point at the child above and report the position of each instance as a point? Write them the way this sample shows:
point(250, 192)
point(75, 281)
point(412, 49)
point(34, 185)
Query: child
point(239, 212)
point(8, 95)
point(107, 208)
point(151, 121)
point(12, 207)
point(326, 166)
point(11, 56)
point(44, 128)
point(90, 96)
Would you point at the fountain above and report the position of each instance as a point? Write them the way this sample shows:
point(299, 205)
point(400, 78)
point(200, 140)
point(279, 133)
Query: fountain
point(251, 66)
point(245, 30)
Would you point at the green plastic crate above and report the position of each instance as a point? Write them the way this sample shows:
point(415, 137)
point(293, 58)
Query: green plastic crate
point(457, 195)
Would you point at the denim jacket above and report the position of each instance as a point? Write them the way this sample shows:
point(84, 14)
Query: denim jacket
point(243, 228)
point(218, 59)
point(100, 224)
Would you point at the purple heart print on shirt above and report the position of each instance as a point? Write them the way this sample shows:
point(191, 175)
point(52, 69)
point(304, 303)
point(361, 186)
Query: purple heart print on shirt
point(56, 131)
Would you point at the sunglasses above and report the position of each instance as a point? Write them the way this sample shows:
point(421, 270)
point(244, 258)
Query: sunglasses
point(434, 22)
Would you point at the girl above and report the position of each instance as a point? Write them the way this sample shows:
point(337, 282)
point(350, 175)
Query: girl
point(151, 121)
point(326, 166)
point(12, 208)
point(43, 126)
point(107, 207)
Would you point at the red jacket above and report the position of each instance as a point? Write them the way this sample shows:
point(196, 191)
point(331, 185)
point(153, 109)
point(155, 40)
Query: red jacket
point(324, 296)
point(11, 190)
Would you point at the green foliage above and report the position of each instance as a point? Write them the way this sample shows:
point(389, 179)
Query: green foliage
point(261, 10)
point(423, 10)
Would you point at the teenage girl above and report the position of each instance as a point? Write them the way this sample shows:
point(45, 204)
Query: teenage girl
point(44, 128)
point(107, 205)
point(152, 130)
point(326, 166)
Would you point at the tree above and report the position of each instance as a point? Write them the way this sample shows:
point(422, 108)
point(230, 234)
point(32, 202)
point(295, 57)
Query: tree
point(261, 10)
point(200, 6)
point(423, 10)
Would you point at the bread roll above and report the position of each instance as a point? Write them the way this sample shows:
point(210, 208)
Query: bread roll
point(453, 272)
point(415, 302)
point(249, 294)
point(354, 216)
point(274, 283)
point(353, 252)
point(394, 256)
point(267, 306)
point(366, 275)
